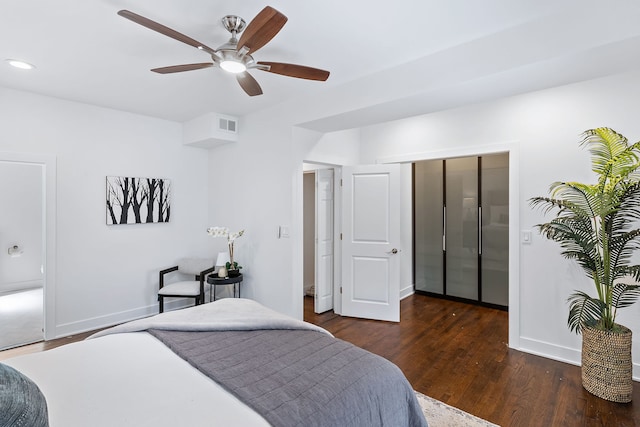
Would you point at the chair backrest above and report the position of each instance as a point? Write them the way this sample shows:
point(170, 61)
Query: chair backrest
point(194, 265)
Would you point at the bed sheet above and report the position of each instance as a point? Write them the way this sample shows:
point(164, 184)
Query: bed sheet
point(129, 379)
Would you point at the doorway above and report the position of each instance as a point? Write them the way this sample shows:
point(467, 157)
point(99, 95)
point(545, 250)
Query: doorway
point(366, 236)
point(22, 251)
point(318, 236)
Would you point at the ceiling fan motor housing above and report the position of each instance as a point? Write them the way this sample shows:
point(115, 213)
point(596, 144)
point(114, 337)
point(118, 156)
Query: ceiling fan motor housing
point(234, 24)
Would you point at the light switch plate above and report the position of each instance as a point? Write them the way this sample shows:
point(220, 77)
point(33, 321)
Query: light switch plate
point(526, 237)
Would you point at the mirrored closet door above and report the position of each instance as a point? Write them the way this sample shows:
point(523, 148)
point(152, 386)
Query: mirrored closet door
point(461, 217)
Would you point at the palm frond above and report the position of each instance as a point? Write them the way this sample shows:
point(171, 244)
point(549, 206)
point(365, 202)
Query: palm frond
point(627, 206)
point(622, 248)
point(632, 271)
point(609, 150)
point(624, 295)
point(579, 199)
point(575, 236)
point(583, 310)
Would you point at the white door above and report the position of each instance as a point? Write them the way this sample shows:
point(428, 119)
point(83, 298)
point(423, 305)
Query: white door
point(370, 242)
point(324, 241)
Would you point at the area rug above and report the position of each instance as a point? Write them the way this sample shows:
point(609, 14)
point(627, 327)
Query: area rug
point(440, 414)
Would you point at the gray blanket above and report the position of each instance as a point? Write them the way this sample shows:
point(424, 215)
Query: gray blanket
point(301, 377)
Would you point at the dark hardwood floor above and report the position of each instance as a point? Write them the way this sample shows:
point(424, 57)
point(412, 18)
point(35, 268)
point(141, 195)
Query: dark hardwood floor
point(458, 353)
point(43, 345)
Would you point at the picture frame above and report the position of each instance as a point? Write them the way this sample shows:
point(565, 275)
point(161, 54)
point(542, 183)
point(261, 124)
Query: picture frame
point(135, 200)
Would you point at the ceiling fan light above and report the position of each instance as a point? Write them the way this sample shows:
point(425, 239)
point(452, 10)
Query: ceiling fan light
point(234, 67)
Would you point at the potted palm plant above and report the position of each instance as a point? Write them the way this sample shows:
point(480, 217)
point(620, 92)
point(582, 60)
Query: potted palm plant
point(597, 226)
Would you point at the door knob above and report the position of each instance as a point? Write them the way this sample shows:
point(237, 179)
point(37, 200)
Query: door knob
point(394, 251)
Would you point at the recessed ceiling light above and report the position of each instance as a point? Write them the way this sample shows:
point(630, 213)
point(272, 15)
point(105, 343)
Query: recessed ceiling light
point(20, 64)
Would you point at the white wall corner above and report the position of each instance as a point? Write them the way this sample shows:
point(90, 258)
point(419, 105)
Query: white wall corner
point(210, 130)
point(407, 291)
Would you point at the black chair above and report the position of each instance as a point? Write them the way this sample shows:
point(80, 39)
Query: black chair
point(198, 267)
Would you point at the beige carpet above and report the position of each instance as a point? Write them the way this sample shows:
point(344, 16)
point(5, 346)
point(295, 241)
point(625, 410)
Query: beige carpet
point(21, 318)
point(440, 414)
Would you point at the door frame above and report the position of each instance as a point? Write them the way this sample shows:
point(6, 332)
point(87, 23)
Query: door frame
point(512, 148)
point(48, 164)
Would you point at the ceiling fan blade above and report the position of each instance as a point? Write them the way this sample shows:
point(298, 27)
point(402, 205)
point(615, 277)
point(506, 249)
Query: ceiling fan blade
point(293, 70)
point(152, 25)
point(180, 68)
point(262, 29)
point(249, 84)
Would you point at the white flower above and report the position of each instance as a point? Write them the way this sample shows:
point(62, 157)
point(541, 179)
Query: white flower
point(218, 231)
point(231, 238)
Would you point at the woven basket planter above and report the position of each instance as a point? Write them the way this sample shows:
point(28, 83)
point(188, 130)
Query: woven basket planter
point(606, 364)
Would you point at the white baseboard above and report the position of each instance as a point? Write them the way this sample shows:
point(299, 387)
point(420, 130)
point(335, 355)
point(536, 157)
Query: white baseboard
point(406, 292)
point(562, 354)
point(66, 329)
point(13, 287)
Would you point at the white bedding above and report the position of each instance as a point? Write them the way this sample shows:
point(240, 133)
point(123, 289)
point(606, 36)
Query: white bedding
point(129, 380)
point(132, 379)
point(230, 314)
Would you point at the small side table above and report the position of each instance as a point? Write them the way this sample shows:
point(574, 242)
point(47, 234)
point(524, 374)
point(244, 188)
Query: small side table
point(213, 280)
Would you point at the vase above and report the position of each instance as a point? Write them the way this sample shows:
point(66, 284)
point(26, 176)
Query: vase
point(222, 272)
point(607, 369)
point(234, 272)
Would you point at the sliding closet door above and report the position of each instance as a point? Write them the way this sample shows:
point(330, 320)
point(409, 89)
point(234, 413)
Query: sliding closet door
point(428, 222)
point(495, 229)
point(461, 227)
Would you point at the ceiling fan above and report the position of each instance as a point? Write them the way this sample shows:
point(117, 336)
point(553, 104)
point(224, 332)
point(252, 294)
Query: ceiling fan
point(235, 55)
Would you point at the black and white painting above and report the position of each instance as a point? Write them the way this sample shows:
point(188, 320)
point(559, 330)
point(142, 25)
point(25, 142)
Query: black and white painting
point(138, 200)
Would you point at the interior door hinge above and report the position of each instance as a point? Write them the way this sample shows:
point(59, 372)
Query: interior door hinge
point(340, 182)
point(341, 289)
point(340, 236)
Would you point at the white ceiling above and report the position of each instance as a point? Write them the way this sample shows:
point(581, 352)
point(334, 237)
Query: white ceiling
point(415, 54)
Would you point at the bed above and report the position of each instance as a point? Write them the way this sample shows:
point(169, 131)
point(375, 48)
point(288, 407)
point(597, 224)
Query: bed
point(230, 362)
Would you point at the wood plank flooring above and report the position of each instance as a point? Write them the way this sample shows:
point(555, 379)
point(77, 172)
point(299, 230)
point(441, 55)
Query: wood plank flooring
point(458, 353)
point(43, 345)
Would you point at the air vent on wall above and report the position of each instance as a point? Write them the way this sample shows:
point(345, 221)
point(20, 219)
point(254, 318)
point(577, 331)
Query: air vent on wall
point(210, 130)
point(227, 125)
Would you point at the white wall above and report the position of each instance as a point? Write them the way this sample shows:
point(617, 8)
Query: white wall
point(108, 274)
point(545, 127)
point(265, 169)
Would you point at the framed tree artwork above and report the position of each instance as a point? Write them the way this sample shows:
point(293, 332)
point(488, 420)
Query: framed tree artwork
point(132, 200)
